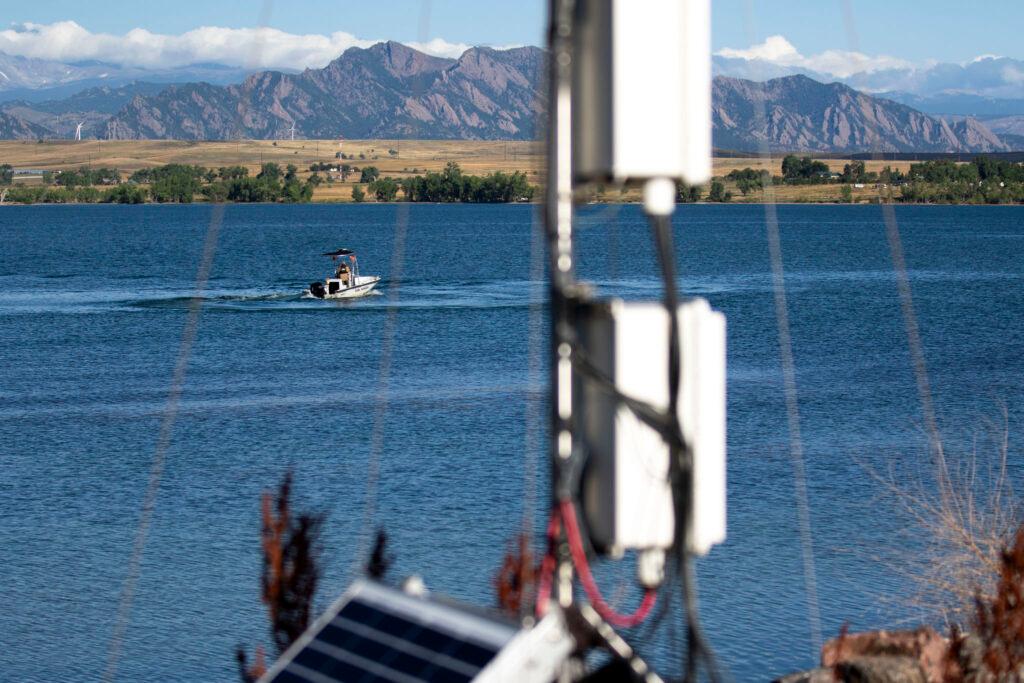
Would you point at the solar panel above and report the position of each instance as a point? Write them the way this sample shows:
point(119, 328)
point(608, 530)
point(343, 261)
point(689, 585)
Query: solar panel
point(378, 633)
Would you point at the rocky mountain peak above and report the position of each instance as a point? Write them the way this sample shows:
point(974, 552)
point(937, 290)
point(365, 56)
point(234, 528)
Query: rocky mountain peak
point(390, 89)
point(799, 113)
point(403, 62)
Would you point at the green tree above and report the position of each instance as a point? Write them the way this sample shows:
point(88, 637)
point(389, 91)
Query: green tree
point(357, 194)
point(295, 191)
point(125, 194)
point(846, 194)
point(270, 172)
point(804, 170)
point(87, 195)
point(891, 177)
point(252, 190)
point(790, 166)
point(25, 195)
point(451, 185)
point(384, 189)
point(369, 174)
point(232, 172)
point(216, 192)
point(687, 194)
point(6, 174)
point(853, 173)
point(57, 195)
point(718, 193)
point(89, 176)
point(178, 185)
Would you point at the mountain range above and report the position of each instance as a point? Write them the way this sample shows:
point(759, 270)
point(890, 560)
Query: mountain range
point(985, 79)
point(390, 90)
point(799, 113)
point(384, 91)
point(36, 80)
point(988, 88)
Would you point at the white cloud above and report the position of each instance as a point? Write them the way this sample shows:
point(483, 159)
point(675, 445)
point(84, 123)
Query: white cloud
point(775, 49)
point(839, 63)
point(255, 48)
point(439, 47)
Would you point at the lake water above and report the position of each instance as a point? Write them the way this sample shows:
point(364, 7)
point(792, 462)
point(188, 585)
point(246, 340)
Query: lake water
point(93, 301)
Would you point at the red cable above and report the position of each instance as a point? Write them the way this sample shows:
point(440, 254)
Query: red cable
point(547, 566)
point(579, 558)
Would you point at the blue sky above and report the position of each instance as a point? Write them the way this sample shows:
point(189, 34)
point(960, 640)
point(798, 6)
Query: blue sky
point(914, 31)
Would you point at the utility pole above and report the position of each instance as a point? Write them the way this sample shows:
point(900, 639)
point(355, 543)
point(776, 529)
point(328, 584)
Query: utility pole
point(558, 224)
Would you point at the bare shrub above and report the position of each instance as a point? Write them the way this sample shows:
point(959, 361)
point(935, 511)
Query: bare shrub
point(1000, 620)
point(380, 560)
point(250, 673)
point(516, 577)
point(291, 567)
point(960, 524)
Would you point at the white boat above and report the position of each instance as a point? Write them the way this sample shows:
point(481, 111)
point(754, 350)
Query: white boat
point(347, 283)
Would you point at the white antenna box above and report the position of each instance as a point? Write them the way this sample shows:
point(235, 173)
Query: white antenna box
point(641, 104)
point(627, 494)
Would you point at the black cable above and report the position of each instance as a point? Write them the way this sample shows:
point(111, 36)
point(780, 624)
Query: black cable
point(680, 460)
point(647, 413)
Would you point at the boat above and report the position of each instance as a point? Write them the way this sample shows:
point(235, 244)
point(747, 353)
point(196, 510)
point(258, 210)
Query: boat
point(347, 283)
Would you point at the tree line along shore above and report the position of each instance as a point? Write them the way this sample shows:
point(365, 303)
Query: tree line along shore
point(185, 184)
point(983, 180)
point(372, 176)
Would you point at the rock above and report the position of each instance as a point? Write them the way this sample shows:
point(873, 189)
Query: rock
point(812, 676)
point(924, 646)
point(970, 656)
point(882, 669)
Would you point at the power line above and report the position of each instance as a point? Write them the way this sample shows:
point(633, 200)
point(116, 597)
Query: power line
point(797, 457)
point(163, 443)
point(167, 424)
point(914, 344)
point(383, 386)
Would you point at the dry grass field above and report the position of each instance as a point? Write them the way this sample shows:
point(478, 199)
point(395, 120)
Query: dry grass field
point(396, 158)
point(130, 155)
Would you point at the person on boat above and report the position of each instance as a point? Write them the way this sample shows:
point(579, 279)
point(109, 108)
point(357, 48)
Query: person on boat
point(342, 273)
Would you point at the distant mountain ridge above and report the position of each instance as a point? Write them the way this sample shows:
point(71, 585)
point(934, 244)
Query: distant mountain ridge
point(35, 80)
point(799, 113)
point(390, 90)
point(989, 77)
point(384, 91)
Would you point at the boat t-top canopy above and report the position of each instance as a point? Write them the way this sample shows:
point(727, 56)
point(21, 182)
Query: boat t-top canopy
point(339, 252)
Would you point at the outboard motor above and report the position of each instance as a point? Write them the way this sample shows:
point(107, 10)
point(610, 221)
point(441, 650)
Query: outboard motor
point(317, 290)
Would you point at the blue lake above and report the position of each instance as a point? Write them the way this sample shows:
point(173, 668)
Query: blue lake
point(93, 302)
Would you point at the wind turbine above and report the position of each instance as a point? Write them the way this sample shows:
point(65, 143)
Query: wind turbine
point(78, 131)
point(293, 131)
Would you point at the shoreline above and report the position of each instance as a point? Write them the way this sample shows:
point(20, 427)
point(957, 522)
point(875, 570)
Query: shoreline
point(532, 203)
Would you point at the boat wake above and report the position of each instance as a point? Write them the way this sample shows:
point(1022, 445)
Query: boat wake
point(289, 296)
